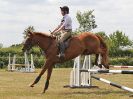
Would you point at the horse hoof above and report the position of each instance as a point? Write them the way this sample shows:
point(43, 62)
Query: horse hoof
point(43, 92)
point(31, 85)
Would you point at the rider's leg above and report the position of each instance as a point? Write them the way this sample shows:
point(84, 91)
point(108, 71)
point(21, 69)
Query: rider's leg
point(63, 37)
point(61, 49)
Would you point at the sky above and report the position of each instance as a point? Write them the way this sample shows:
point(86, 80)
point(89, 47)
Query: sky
point(44, 15)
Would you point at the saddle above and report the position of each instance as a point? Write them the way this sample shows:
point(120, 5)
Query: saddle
point(66, 43)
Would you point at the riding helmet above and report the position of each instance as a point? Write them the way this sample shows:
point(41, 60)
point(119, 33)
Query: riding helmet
point(65, 8)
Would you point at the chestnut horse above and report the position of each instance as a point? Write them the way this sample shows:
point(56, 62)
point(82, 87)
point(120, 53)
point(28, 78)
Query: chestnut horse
point(83, 44)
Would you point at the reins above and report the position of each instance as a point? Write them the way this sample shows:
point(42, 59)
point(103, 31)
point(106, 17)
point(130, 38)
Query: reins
point(50, 42)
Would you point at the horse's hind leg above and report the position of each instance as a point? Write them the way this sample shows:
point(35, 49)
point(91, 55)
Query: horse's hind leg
point(99, 61)
point(96, 60)
point(104, 60)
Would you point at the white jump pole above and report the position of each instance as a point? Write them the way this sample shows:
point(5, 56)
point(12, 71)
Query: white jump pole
point(80, 79)
point(83, 78)
point(113, 84)
point(32, 64)
point(9, 62)
point(13, 62)
point(25, 60)
point(27, 67)
point(108, 71)
point(99, 59)
point(121, 66)
point(78, 71)
point(74, 73)
point(86, 76)
point(90, 83)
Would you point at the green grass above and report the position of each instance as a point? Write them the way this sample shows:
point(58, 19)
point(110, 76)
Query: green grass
point(14, 85)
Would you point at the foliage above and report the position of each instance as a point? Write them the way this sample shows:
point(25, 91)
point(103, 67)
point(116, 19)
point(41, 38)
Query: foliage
point(122, 61)
point(119, 39)
point(116, 40)
point(1, 45)
point(16, 45)
point(39, 59)
point(86, 21)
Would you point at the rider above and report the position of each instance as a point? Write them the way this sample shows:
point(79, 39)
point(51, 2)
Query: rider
point(64, 30)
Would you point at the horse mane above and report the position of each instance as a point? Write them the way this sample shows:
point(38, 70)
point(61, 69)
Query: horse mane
point(42, 34)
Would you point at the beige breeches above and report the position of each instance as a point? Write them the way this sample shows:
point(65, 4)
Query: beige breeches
point(63, 35)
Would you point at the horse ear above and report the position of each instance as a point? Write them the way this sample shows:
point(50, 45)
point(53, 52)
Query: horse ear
point(30, 33)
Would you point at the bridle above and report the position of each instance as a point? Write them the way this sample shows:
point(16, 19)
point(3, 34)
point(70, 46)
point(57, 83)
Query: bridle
point(46, 50)
point(29, 45)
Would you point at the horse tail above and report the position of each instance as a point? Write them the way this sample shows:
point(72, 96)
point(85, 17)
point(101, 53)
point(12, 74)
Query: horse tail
point(104, 48)
point(102, 43)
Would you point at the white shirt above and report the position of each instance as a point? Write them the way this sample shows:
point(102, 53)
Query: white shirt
point(66, 22)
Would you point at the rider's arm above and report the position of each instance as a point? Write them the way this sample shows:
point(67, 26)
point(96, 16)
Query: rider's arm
point(61, 26)
point(59, 29)
point(56, 29)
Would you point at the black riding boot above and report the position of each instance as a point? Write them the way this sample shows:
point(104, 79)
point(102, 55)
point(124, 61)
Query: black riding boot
point(61, 50)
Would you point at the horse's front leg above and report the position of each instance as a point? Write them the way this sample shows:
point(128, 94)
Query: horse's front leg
point(49, 72)
point(45, 67)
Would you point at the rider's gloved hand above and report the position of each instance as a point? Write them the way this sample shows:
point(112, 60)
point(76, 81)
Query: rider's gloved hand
point(52, 34)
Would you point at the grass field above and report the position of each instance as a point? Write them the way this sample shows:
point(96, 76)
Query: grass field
point(14, 85)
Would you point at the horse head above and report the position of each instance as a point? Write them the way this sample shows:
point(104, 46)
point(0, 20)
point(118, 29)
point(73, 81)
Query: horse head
point(28, 43)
